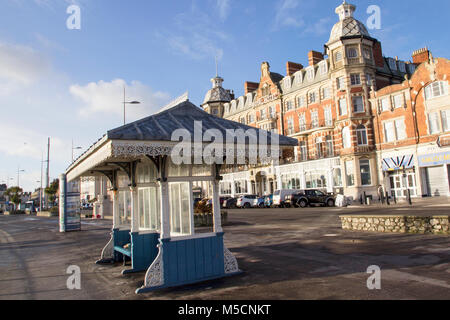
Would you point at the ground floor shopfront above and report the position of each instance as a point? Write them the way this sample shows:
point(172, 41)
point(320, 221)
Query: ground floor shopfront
point(422, 171)
point(351, 176)
point(434, 164)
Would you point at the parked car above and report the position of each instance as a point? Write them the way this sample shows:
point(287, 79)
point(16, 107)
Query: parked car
point(280, 196)
point(196, 201)
point(258, 202)
point(223, 200)
point(309, 197)
point(268, 201)
point(230, 203)
point(246, 201)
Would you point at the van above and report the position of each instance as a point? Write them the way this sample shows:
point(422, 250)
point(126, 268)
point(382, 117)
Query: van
point(279, 196)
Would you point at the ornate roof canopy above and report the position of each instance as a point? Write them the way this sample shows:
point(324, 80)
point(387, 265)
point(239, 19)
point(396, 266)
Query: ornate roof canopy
point(152, 136)
point(347, 26)
point(217, 93)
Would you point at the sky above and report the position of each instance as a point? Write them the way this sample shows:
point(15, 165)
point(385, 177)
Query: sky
point(67, 84)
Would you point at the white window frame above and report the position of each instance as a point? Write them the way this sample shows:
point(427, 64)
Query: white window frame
point(397, 103)
point(346, 138)
point(438, 129)
point(301, 101)
point(385, 104)
point(369, 173)
point(362, 104)
point(328, 115)
point(362, 137)
point(343, 111)
point(340, 83)
point(436, 89)
point(355, 79)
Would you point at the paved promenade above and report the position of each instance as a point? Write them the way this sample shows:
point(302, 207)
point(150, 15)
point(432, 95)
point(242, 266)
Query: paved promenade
point(284, 253)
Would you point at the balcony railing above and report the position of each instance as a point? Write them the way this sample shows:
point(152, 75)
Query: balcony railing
point(311, 127)
point(271, 117)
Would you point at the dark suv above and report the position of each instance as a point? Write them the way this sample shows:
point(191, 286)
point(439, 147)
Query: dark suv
point(305, 198)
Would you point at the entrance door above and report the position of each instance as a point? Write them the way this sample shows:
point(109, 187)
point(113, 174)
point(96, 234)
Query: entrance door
point(401, 182)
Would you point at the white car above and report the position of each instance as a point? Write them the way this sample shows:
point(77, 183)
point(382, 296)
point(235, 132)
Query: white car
point(246, 201)
point(279, 196)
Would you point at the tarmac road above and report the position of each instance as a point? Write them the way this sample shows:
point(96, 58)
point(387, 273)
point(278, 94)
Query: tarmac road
point(284, 253)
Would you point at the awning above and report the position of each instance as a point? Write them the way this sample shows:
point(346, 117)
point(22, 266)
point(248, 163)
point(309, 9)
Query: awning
point(398, 163)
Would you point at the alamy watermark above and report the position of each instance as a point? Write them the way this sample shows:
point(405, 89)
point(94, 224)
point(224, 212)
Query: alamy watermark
point(374, 20)
point(239, 146)
point(74, 280)
point(73, 22)
point(374, 281)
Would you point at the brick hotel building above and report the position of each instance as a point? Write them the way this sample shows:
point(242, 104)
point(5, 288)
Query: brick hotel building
point(363, 121)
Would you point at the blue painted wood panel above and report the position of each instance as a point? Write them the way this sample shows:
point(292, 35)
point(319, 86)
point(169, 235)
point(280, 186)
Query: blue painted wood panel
point(144, 250)
point(192, 260)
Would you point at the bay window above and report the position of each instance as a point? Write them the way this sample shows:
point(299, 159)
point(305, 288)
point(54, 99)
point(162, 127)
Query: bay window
point(358, 104)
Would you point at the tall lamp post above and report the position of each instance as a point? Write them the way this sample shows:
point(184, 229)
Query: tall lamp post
point(74, 148)
point(124, 105)
point(40, 194)
point(18, 176)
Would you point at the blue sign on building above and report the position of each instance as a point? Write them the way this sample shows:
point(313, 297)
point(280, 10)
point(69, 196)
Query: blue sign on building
point(434, 159)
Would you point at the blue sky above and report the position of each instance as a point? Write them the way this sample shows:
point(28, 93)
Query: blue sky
point(66, 84)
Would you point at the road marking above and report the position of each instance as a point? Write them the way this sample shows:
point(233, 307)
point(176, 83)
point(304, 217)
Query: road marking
point(400, 275)
point(331, 235)
point(7, 238)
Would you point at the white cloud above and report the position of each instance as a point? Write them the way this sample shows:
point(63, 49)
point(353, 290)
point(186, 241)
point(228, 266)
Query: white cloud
point(223, 6)
point(286, 15)
point(20, 66)
point(106, 97)
point(23, 142)
point(321, 27)
point(195, 34)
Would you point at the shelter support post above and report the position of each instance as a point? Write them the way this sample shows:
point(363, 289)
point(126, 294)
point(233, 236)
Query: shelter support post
point(134, 210)
point(216, 208)
point(107, 255)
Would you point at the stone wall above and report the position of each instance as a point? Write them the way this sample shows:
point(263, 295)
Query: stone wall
point(398, 224)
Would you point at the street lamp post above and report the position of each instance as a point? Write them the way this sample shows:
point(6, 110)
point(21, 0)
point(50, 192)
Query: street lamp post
point(74, 148)
point(124, 105)
point(40, 194)
point(18, 175)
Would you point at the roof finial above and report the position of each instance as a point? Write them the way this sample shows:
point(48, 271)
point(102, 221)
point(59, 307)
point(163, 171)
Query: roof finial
point(217, 66)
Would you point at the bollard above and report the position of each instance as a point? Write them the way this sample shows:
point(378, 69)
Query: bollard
point(387, 199)
point(395, 198)
point(365, 198)
point(409, 197)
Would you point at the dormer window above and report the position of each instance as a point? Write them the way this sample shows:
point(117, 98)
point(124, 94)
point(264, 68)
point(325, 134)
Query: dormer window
point(310, 74)
point(392, 64)
point(265, 90)
point(323, 69)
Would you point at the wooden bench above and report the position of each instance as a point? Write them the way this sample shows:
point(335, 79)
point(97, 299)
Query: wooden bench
point(124, 252)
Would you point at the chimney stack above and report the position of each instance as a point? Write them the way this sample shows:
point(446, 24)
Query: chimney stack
point(292, 67)
point(314, 57)
point(250, 86)
point(421, 55)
